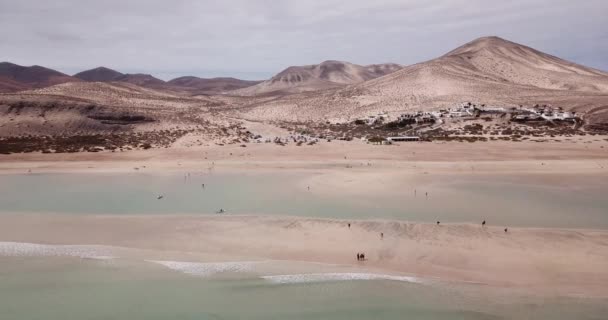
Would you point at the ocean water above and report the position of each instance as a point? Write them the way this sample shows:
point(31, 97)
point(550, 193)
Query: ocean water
point(95, 282)
point(56, 288)
point(491, 198)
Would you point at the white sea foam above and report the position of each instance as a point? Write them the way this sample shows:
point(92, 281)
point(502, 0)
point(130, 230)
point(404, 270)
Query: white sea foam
point(101, 257)
point(20, 249)
point(204, 269)
point(330, 277)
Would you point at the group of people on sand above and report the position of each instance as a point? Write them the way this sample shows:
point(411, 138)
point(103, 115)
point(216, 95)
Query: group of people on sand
point(361, 256)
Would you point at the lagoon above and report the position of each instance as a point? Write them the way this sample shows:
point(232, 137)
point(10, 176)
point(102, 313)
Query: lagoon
point(504, 201)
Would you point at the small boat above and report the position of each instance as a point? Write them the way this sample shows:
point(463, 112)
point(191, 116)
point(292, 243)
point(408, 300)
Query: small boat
point(160, 197)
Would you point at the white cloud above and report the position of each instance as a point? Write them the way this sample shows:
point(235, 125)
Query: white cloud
point(256, 38)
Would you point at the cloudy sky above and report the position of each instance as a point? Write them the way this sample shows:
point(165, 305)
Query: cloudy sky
point(257, 38)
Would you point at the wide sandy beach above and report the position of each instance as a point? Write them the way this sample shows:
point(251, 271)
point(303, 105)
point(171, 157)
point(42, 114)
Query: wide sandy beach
point(566, 262)
point(563, 261)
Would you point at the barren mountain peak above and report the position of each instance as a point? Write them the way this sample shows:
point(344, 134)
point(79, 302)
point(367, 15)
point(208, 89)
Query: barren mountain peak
point(99, 74)
point(491, 42)
point(16, 77)
point(210, 85)
point(325, 75)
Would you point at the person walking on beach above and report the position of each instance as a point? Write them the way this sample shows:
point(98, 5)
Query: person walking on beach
point(349, 225)
point(381, 235)
point(483, 224)
point(358, 257)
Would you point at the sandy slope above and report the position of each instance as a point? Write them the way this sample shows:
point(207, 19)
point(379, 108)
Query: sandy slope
point(488, 70)
point(65, 109)
point(519, 64)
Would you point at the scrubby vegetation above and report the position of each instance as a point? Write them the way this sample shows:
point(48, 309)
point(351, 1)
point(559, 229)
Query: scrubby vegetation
point(89, 143)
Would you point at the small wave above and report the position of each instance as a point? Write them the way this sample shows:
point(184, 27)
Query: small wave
point(20, 249)
point(331, 277)
point(100, 257)
point(204, 269)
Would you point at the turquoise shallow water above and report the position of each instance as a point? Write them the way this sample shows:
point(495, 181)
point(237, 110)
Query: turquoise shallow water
point(489, 198)
point(56, 288)
point(70, 288)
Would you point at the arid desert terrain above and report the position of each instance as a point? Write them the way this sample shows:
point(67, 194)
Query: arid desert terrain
point(491, 110)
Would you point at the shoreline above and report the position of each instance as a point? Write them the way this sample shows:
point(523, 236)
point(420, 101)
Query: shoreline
point(266, 216)
point(489, 157)
point(560, 260)
point(565, 167)
point(525, 258)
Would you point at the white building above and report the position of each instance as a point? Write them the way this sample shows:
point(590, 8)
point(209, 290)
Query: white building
point(403, 139)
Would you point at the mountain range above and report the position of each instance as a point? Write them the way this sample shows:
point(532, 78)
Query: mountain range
point(488, 70)
point(327, 74)
point(14, 78)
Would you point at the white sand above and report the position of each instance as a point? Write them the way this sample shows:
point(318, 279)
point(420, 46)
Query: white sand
point(536, 259)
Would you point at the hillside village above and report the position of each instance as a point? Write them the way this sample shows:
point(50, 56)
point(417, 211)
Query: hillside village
point(464, 122)
point(465, 119)
point(535, 113)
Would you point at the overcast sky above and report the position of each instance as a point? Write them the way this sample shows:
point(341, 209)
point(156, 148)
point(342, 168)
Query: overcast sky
point(254, 39)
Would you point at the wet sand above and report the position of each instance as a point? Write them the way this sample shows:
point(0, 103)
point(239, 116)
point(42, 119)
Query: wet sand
point(538, 260)
point(566, 261)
